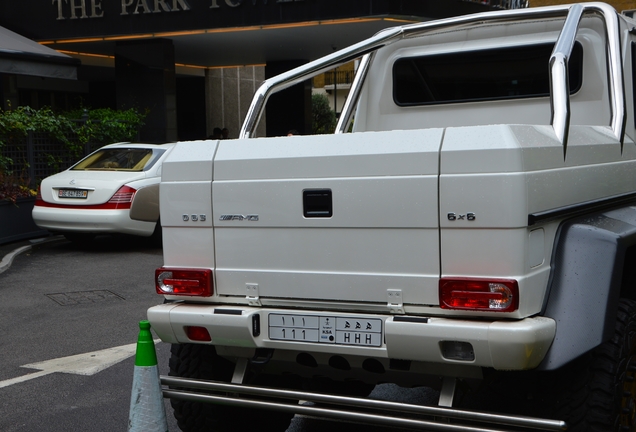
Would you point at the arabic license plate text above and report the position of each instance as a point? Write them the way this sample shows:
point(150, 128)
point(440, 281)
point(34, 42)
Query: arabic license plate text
point(326, 329)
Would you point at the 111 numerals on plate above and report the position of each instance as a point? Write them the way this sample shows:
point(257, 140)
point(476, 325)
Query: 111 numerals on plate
point(326, 329)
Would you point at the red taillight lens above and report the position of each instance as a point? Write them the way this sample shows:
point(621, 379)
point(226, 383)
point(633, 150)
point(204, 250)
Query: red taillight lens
point(494, 295)
point(123, 197)
point(38, 198)
point(189, 282)
point(200, 334)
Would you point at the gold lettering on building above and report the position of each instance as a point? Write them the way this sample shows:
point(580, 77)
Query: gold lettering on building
point(124, 6)
point(81, 7)
point(78, 9)
point(183, 3)
point(60, 12)
point(96, 9)
point(163, 5)
point(142, 7)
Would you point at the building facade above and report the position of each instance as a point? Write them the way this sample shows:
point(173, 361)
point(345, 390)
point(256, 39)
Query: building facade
point(619, 5)
point(195, 64)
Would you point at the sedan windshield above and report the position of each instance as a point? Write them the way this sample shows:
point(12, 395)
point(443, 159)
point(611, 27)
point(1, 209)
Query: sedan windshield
point(120, 159)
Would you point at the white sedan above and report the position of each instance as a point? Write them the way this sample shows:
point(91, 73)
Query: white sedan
point(98, 194)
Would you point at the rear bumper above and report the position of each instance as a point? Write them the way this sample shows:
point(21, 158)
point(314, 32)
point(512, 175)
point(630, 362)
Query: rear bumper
point(503, 345)
point(90, 221)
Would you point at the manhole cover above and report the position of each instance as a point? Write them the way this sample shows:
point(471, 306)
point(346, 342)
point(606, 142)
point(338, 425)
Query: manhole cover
point(80, 297)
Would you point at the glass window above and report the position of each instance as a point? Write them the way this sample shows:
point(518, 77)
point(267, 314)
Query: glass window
point(120, 159)
point(502, 73)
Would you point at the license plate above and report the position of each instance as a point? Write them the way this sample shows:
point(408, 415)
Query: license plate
point(72, 193)
point(326, 329)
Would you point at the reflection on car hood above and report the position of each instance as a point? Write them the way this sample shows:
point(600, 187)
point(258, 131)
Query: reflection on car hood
point(100, 184)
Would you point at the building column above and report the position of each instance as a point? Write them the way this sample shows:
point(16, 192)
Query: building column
point(228, 95)
point(146, 80)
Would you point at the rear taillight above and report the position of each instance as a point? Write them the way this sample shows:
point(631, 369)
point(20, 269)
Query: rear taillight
point(196, 333)
point(123, 197)
point(38, 198)
point(493, 295)
point(187, 282)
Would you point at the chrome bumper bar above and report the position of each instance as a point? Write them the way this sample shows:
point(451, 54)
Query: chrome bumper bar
point(358, 410)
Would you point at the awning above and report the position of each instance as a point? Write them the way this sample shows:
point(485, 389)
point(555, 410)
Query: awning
point(22, 56)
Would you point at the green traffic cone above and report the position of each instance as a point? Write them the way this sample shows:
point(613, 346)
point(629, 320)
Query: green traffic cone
point(146, 355)
point(147, 412)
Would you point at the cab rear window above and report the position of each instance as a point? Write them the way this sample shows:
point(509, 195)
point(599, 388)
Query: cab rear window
point(493, 74)
point(119, 159)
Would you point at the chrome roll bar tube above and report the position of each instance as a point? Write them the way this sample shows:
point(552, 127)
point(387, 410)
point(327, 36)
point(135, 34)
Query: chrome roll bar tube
point(359, 410)
point(559, 95)
point(559, 86)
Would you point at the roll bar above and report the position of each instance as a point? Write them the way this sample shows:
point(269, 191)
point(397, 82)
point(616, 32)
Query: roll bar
point(559, 86)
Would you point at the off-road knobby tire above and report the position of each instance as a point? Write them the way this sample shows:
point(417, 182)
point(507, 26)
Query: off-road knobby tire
point(598, 390)
point(202, 362)
point(594, 393)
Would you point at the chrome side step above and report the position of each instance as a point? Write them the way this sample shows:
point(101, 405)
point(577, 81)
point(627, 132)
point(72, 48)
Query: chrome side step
point(430, 418)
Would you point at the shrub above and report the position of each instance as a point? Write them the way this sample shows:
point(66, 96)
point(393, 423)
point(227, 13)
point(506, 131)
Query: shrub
point(16, 124)
point(71, 130)
point(323, 117)
point(14, 187)
point(107, 126)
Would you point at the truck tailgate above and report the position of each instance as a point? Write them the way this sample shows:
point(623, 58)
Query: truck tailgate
point(331, 218)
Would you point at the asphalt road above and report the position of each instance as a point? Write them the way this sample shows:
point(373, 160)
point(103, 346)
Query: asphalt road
point(60, 300)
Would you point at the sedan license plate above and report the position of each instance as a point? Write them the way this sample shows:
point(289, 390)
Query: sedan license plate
point(72, 193)
point(326, 329)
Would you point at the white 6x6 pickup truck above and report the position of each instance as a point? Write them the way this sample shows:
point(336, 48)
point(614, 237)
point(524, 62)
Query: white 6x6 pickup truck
point(470, 227)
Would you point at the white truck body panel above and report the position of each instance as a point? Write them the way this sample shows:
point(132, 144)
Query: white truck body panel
point(335, 250)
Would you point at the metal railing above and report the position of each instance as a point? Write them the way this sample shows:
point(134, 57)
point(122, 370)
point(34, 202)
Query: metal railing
point(339, 77)
point(559, 95)
point(39, 154)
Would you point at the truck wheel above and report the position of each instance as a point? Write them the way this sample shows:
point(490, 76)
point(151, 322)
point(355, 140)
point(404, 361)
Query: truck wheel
point(603, 382)
point(202, 362)
point(594, 393)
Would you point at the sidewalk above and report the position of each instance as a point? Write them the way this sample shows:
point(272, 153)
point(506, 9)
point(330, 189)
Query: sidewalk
point(10, 250)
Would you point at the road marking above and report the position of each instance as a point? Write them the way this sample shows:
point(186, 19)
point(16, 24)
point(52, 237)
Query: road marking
point(10, 382)
point(8, 258)
point(80, 364)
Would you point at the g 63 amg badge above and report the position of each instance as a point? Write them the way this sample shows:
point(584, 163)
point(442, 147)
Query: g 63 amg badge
point(234, 217)
point(194, 218)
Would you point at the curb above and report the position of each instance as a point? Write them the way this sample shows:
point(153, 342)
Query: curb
point(6, 262)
